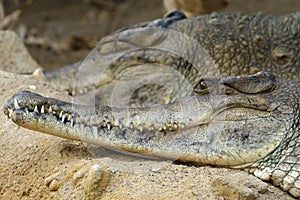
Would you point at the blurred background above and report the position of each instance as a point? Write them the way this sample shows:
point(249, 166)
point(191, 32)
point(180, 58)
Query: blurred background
point(61, 32)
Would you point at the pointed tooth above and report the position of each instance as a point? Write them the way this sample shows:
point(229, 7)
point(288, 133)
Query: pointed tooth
point(141, 128)
point(164, 128)
point(43, 109)
point(69, 117)
point(108, 125)
point(16, 104)
point(60, 114)
point(175, 126)
point(50, 109)
point(10, 112)
point(63, 118)
point(71, 122)
point(36, 109)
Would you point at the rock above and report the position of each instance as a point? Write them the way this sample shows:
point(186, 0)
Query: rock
point(193, 8)
point(14, 56)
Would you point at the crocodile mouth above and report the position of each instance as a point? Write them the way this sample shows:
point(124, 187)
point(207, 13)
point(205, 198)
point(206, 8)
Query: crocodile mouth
point(40, 110)
point(156, 134)
point(29, 109)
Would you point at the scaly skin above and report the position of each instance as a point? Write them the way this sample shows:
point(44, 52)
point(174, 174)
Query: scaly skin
point(238, 44)
point(255, 127)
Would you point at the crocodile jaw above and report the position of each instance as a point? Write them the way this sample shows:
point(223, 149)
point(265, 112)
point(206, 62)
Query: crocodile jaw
point(205, 140)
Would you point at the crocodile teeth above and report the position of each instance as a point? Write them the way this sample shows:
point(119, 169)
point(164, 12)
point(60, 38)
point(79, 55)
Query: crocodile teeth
point(164, 128)
point(16, 104)
point(71, 122)
point(63, 118)
point(50, 109)
point(108, 125)
point(10, 112)
point(36, 109)
point(175, 126)
point(60, 114)
point(69, 117)
point(43, 109)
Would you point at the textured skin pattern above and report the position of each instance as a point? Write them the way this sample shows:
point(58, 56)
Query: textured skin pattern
point(261, 125)
point(238, 44)
point(246, 44)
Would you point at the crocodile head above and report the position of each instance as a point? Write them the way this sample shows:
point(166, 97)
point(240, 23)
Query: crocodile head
point(253, 117)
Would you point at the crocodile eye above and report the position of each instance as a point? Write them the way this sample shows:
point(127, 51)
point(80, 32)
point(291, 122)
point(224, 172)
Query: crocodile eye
point(203, 85)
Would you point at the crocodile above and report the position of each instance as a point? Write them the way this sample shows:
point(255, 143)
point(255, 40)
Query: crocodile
point(247, 116)
point(234, 44)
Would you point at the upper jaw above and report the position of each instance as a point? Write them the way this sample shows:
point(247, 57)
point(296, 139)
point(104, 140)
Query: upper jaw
point(66, 112)
point(31, 102)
